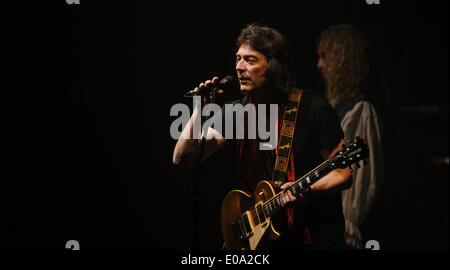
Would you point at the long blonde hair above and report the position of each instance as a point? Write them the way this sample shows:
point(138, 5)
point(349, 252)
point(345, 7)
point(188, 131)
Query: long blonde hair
point(346, 52)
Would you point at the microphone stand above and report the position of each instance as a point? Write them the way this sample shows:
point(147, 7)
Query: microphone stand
point(192, 183)
point(192, 180)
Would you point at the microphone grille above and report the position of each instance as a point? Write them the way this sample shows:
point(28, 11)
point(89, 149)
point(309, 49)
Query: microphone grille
point(228, 80)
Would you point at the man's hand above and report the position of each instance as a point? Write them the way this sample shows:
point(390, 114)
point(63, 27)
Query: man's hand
point(208, 98)
point(286, 196)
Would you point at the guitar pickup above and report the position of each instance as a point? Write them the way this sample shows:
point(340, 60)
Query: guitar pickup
point(238, 230)
point(241, 227)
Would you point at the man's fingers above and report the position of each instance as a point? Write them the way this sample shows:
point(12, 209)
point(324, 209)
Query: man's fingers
point(291, 197)
point(208, 82)
point(287, 197)
point(283, 199)
point(286, 185)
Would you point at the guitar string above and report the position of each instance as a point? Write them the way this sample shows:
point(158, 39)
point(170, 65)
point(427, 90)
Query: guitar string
point(301, 180)
point(269, 205)
point(256, 213)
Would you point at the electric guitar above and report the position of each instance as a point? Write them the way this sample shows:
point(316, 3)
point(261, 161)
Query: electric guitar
point(246, 218)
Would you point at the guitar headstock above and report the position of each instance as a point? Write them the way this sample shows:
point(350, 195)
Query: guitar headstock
point(352, 152)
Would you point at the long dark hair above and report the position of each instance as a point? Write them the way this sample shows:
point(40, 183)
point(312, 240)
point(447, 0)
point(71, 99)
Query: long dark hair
point(275, 47)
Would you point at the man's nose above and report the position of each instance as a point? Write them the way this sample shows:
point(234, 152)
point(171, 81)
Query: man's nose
point(240, 67)
point(320, 63)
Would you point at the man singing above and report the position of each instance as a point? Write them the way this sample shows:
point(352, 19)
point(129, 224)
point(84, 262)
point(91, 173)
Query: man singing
point(265, 73)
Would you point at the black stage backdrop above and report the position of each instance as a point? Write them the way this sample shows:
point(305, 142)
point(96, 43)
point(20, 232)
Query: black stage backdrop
point(90, 155)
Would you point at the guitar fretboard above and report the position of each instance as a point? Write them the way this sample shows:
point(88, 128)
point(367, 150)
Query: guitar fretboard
point(270, 207)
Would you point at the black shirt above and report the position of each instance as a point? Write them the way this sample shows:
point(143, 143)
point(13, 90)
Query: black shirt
point(317, 127)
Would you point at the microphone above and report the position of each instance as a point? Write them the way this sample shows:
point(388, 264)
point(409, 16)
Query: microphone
point(224, 83)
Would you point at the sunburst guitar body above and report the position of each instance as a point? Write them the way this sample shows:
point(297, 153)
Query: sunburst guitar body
point(243, 221)
point(246, 219)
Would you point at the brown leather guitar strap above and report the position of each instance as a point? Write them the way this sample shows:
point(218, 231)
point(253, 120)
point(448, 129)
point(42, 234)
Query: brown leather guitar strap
point(284, 146)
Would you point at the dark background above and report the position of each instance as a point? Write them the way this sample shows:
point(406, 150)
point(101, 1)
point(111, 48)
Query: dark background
point(90, 157)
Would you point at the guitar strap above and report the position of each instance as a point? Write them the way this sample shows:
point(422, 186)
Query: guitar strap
point(284, 146)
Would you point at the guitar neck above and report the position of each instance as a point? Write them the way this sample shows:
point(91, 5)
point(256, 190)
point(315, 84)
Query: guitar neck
point(251, 224)
point(272, 206)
